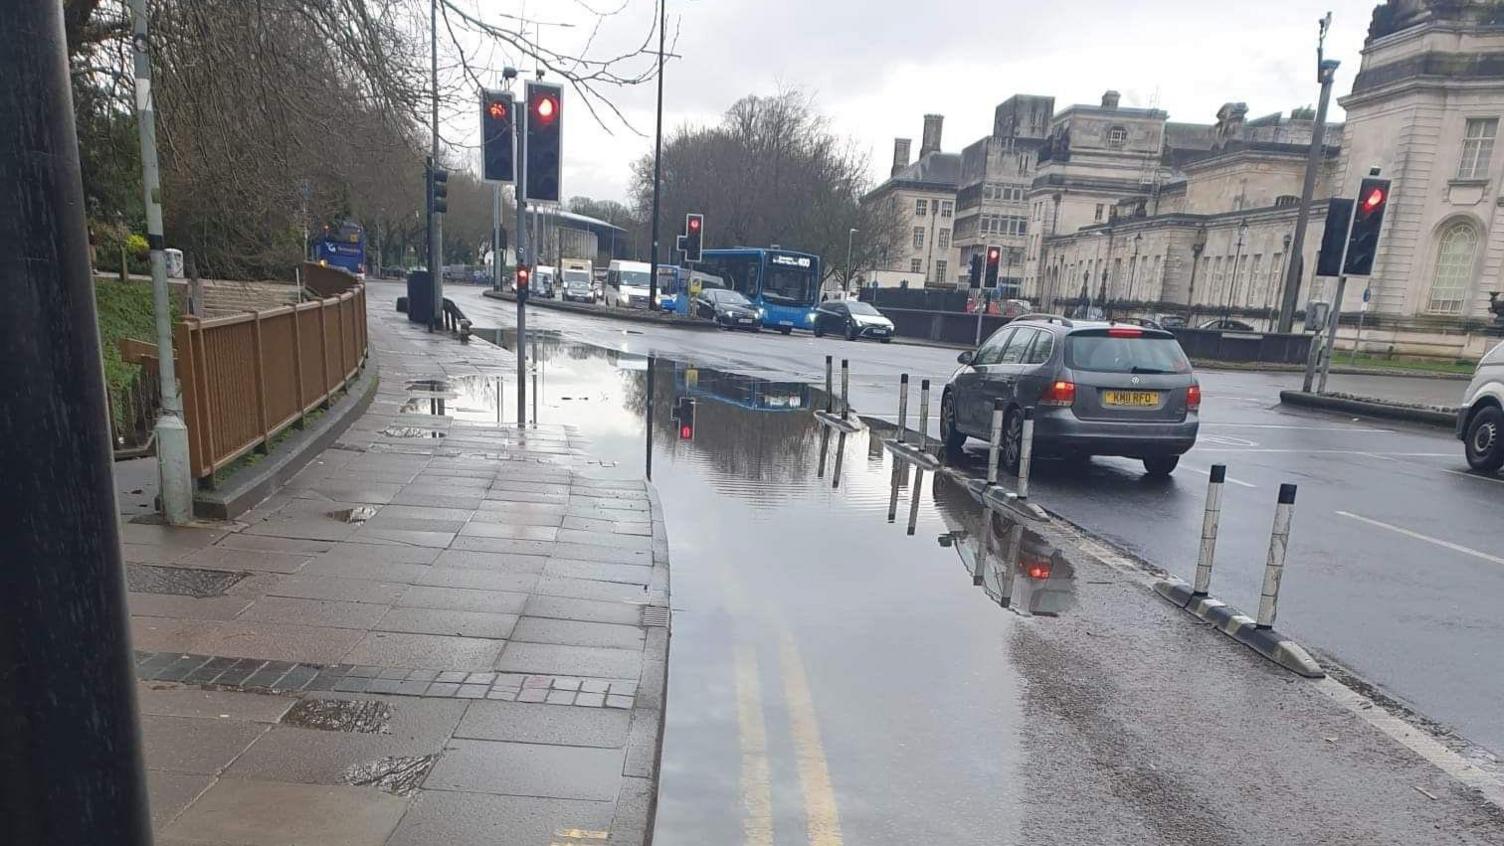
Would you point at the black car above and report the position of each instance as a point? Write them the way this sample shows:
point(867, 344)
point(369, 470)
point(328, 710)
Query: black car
point(854, 319)
point(728, 309)
point(1227, 325)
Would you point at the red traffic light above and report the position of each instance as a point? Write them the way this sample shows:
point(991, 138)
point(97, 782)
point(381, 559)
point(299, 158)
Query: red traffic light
point(686, 432)
point(522, 275)
point(497, 110)
point(694, 224)
point(993, 254)
point(1374, 199)
point(546, 108)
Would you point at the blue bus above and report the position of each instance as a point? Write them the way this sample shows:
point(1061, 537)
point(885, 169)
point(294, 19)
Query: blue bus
point(746, 392)
point(343, 246)
point(785, 283)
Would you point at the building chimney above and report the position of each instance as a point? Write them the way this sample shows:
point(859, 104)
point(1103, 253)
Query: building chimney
point(900, 155)
point(931, 141)
point(1110, 100)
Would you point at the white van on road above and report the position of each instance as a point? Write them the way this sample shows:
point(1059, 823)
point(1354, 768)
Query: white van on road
point(1480, 421)
point(627, 284)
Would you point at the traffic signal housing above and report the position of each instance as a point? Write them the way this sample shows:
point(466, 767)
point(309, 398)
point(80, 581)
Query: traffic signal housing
point(497, 144)
point(544, 136)
point(1339, 214)
point(1368, 218)
point(975, 275)
point(438, 189)
point(994, 259)
point(684, 416)
point(520, 286)
point(694, 236)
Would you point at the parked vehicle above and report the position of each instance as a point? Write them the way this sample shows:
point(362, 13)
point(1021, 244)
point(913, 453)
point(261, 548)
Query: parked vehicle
point(1171, 321)
point(727, 309)
point(854, 319)
point(627, 284)
point(544, 282)
point(1228, 325)
point(577, 286)
point(1480, 422)
point(1096, 389)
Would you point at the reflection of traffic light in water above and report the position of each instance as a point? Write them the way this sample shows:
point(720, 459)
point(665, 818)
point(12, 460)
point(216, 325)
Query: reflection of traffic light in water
point(684, 416)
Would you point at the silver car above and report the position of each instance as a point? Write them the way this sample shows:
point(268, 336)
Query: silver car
point(1096, 389)
point(1480, 422)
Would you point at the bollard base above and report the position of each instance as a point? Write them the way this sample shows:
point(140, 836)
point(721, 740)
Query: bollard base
point(912, 454)
point(1241, 628)
point(850, 425)
point(1006, 500)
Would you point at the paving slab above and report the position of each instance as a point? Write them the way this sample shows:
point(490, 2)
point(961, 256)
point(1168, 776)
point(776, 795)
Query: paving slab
point(569, 608)
point(420, 651)
point(170, 700)
point(462, 599)
point(497, 561)
point(198, 745)
point(169, 793)
point(336, 588)
point(482, 819)
point(273, 641)
point(445, 621)
point(186, 607)
point(527, 769)
point(238, 812)
point(538, 723)
point(554, 659)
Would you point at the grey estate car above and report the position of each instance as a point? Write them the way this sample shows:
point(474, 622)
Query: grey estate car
point(1096, 389)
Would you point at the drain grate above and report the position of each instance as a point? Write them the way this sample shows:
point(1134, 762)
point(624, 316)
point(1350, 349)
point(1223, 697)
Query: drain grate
point(398, 775)
point(655, 616)
point(364, 716)
point(180, 581)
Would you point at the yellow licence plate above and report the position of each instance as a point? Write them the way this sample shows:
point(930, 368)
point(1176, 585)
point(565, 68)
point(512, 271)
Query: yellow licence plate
point(1131, 398)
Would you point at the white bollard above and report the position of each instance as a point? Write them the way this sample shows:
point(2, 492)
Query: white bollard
point(1209, 522)
point(924, 416)
point(845, 389)
point(835, 477)
point(914, 499)
point(995, 442)
point(893, 494)
point(903, 408)
point(1274, 570)
point(1026, 454)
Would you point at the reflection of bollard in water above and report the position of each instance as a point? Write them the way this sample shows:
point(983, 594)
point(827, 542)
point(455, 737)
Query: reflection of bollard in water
point(498, 400)
point(845, 389)
point(924, 416)
point(995, 442)
point(984, 548)
point(830, 390)
point(835, 478)
point(903, 408)
point(1279, 540)
point(1011, 554)
point(914, 499)
point(1026, 454)
point(1209, 522)
point(893, 494)
point(535, 385)
point(824, 448)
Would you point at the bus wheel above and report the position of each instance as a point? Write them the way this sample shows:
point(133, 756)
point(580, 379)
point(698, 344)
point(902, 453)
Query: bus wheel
point(819, 331)
point(787, 330)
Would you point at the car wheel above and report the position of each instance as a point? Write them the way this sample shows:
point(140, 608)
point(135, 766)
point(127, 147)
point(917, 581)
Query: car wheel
point(951, 438)
point(1485, 440)
point(819, 330)
point(851, 331)
point(1161, 465)
point(886, 340)
point(1013, 442)
point(787, 330)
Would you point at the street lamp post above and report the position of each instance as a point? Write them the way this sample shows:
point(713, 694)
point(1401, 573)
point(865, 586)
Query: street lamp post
point(1133, 270)
point(1326, 73)
point(846, 283)
point(1198, 245)
point(1232, 282)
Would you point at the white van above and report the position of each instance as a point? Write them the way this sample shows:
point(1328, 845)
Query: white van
point(627, 284)
point(544, 282)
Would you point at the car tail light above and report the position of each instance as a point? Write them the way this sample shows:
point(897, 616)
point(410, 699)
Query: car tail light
point(1124, 332)
point(1039, 570)
point(1060, 393)
point(1193, 398)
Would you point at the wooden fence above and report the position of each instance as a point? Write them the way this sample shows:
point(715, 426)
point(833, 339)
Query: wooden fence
point(247, 377)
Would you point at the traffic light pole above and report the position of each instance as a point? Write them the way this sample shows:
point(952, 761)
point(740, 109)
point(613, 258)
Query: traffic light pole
point(519, 129)
point(435, 220)
point(70, 747)
point(657, 163)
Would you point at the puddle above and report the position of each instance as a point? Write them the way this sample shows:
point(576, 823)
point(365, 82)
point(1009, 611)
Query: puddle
point(366, 716)
point(358, 514)
point(398, 775)
point(180, 581)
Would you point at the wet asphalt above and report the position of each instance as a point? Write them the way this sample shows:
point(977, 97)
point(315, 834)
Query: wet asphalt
point(837, 678)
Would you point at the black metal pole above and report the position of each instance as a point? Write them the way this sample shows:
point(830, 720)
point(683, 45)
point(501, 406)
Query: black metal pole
point(657, 162)
point(647, 422)
point(70, 750)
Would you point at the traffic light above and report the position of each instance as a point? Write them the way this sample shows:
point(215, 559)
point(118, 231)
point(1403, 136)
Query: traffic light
point(1339, 213)
point(1368, 217)
point(975, 276)
point(524, 273)
point(684, 415)
point(694, 236)
point(994, 258)
point(438, 189)
point(544, 141)
point(497, 144)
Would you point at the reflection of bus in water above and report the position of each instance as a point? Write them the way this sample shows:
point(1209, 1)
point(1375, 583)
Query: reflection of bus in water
point(343, 247)
point(677, 286)
point(741, 391)
point(785, 283)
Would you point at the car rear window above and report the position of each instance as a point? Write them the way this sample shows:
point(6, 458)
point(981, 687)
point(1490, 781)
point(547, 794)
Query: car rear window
point(1104, 353)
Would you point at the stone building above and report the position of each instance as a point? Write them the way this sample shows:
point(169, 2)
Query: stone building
point(924, 193)
point(992, 194)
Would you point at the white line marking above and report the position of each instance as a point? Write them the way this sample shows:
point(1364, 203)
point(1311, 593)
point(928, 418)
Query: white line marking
point(1206, 423)
point(1427, 538)
point(1471, 475)
point(1207, 472)
point(1214, 448)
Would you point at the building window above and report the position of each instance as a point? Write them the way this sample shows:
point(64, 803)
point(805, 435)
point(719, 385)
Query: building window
point(1454, 267)
point(1117, 137)
point(916, 266)
point(919, 237)
point(940, 270)
point(944, 239)
point(1098, 217)
point(1477, 148)
point(921, 208)
point(946, 208)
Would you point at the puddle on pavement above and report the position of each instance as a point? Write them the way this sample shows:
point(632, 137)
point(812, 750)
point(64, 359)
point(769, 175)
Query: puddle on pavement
point(399, 775)
point(180, 581)
point(364, 716)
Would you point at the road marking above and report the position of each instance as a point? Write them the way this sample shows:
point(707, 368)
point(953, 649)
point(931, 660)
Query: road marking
point(1228, 440)
point(821, 816)
point(1480, 478)
point(756, 786)
point(1206, 472)
point(1206, 423)
point(1427, 538)
point(1215, 448)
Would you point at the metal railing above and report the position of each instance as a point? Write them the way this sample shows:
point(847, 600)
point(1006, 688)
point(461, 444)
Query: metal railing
point(247, 377)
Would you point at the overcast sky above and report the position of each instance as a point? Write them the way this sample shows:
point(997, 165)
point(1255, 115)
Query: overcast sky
point(875, 67)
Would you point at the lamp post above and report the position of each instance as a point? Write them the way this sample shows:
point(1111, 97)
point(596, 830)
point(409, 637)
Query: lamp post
point(1326, 73)
point(1102, 290)
point(846, 283)
point(1198, 245)
point(1133, 270)
point(1275, 274)
point(1232, 282)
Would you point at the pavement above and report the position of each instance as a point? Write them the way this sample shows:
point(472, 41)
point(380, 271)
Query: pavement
point(443, 630)
point(1394, 565)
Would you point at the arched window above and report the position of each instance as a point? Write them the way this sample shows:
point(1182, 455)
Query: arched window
point(1454, 268)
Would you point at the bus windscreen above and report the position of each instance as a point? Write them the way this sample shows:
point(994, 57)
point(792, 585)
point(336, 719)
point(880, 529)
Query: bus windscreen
point(789, 285)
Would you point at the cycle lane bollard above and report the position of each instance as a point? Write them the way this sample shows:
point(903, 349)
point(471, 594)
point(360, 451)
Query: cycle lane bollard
point(1210, 521)
point(845, 389)
point(1274, 566)
point(1025, 454)
point(903, 408)
point(994, 443)
point(924, 415)
point(830, 391)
